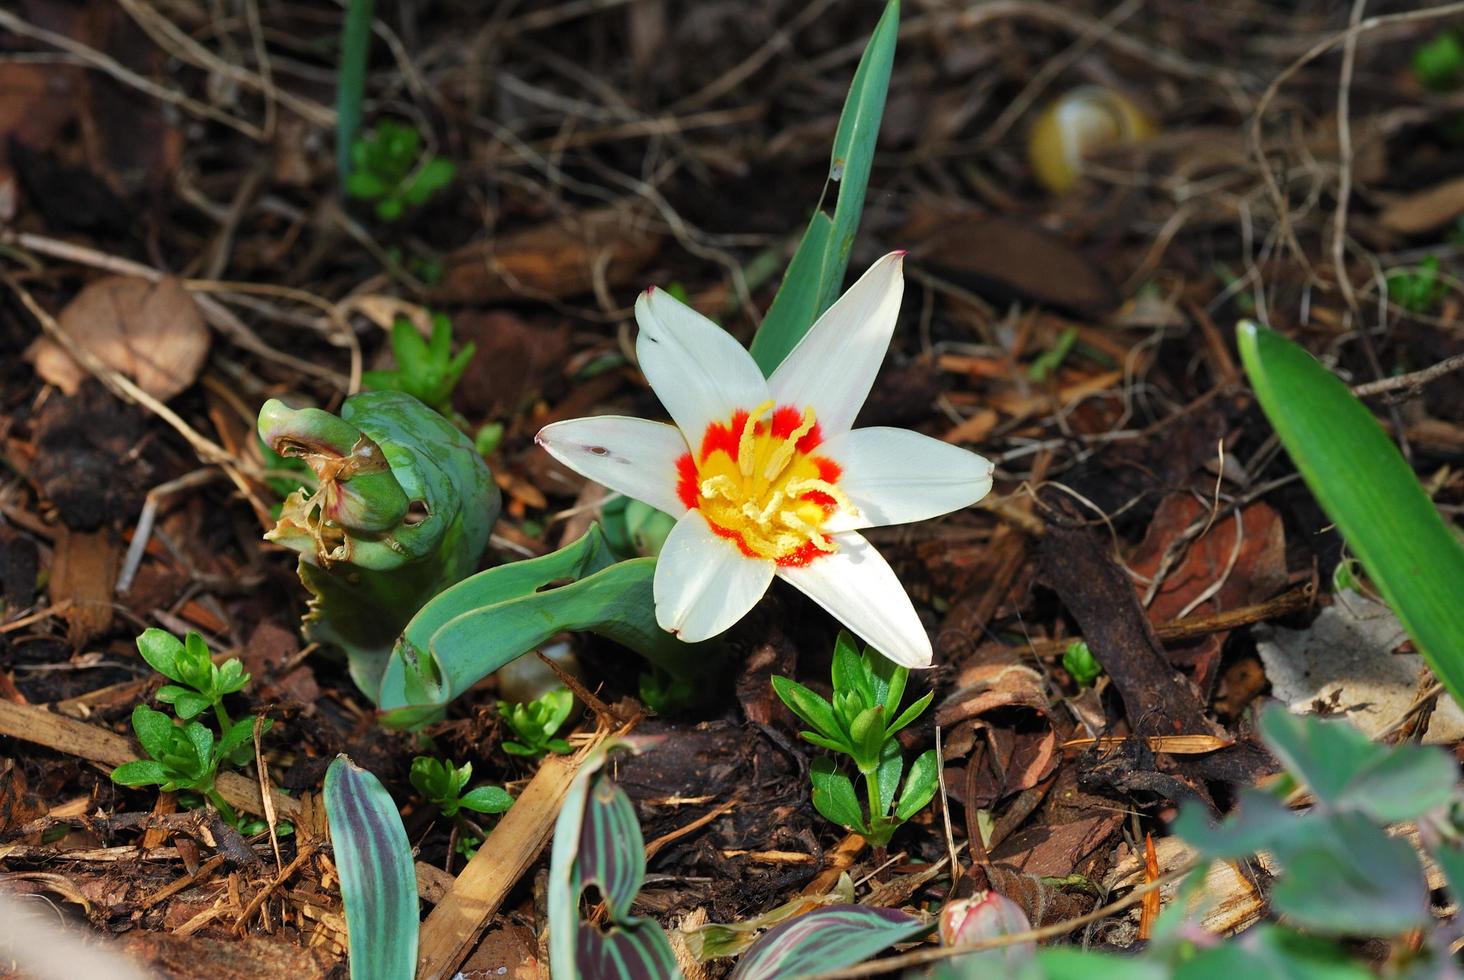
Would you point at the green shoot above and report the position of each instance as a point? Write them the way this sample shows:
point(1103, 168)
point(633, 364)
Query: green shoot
point(443, 785)
point(535, 724)
point(1048, 362)
point(351, 83)
point(201, 683)
point(425, 369)
point(182, 757)
point(1439, 64)
point(488, 438)
point(386, 167)
point(861, 723)
point(1417, 289)
point(1080, 664)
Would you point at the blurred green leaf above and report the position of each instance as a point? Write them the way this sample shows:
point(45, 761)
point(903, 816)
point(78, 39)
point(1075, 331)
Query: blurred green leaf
point(826, 939)
point(1365, 486)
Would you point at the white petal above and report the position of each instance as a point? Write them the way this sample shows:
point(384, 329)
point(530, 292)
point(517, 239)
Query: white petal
point(697, 369)
point(895, 476)
point(703, 583)
point(861, 590)
point(635, 457)
point(833, 366)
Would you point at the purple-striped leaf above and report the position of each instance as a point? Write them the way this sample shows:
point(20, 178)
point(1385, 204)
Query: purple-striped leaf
point(826, 939)
point(378, 881)
point(626, 952)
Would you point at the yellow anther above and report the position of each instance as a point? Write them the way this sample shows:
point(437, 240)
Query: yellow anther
point(720, 486)
point(784, 453)
point(748, 441)
point(798, 487)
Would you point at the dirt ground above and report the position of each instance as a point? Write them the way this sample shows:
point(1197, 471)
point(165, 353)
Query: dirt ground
point(169, 208)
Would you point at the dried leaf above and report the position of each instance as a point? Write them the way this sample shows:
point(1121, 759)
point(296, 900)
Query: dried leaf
point(150, 332)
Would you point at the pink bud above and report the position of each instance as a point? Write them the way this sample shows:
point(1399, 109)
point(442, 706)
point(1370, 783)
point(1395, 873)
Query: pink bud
point(987, 915)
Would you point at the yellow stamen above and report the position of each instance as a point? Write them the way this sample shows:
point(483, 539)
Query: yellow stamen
point(749, 436)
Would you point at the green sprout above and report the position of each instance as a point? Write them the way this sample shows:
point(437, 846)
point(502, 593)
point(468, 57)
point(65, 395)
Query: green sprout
point(1416, 289)
point(443, 785)
point(488, 438)
point(425, 369)
point(182, 757)
point(1047, 363)
point(536, 723)
point(201, 683)
point(1080, 664)
point(386, 167)
point(867, 693)
point(1439, 63)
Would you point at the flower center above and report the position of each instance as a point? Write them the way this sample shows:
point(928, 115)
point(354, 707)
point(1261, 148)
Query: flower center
point(758, 483)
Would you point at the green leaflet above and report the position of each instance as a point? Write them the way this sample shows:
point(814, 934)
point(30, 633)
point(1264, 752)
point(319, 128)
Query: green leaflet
point(598, 841)
point(404, 509)
point(816, 273)
point(378, 880)
point(478, 625)
point(1365, 486)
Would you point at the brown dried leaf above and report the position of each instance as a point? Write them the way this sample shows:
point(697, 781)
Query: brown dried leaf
point(1425, 210)
point(150, 332)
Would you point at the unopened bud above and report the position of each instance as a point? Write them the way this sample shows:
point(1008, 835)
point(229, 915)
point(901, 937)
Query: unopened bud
point(984, 916)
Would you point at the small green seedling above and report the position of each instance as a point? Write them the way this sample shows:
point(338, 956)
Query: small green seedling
point(867, 693)
point(442, 785)
point(536, 723)
point(386, 167)
point(1417, 289)
point(1439, 64)
point(1048, 362)
point(488, 438)
point(182, 757)
point(1080, 664)
point(201, 683)
point(425, 369)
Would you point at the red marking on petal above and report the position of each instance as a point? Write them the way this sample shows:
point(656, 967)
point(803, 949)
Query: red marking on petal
point(785, 420)
point(829, 504)
point(732, 536)
point(810, 441)
point(719, 436)
point(686, 482)
point(806, 553)
point(828, 470)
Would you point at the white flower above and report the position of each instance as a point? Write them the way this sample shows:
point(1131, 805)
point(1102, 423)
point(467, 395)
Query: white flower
point(766, 476)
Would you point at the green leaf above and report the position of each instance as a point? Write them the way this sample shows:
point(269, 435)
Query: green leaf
point(847, 670)
point(200, 740)
point(817, 271)
point(516, 748)
point(378, 880)
point(559, 745)
point(1261, 822)
point(920, 785)
point(161, 650)
point(143, 772)
point(381, 380)
point(1347, 877)
point(891, 765)
point(1273, 953)
point(833, 744)
point(154, 730)
point(833, 795)
point(486, 799)
point(611, 850)
point(365, 185)
point(435, 175)
point(231, 677)
point(910, 714)
point(473, 628)
point(1071, 963)
point(1369, 491)
point(795, 306)
point(1347, 771)
point(241, 732)
point(190, 705)
point(811, 709)
point(826, 939)
point(389, 208)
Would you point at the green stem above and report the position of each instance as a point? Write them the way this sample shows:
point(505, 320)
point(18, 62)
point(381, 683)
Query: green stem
point(351, 82)
point(223, 716)
point(871, 787)
point(222, 805)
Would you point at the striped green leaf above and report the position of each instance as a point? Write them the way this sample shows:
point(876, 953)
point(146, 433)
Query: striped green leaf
point(597, 840)
point(378, 880)
point(816, 273)
point(1365, 486)
point(829, 938)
